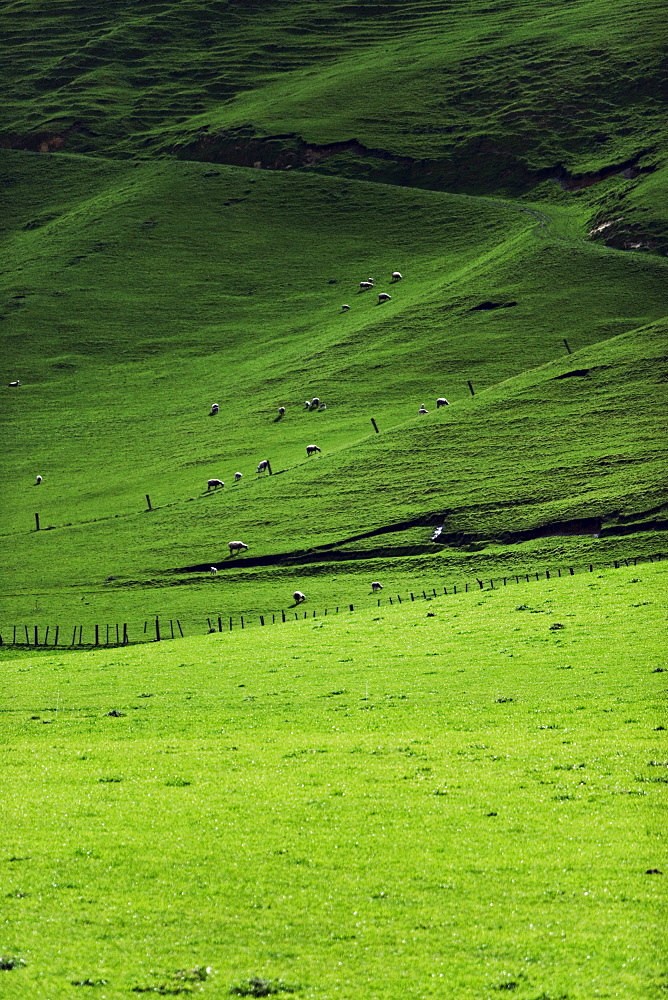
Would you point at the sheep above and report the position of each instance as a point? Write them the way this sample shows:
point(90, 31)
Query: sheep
point(441, 401)
point(38, 481)
point(396, 276)
point(423, 409)
point(315, 403)
point(281, 411)
point(323, 406)
point(311, 449)
point(214, 571)
point(236, 547)
point(376, 586)
point(13, 385)
point(345, 308)
point(263, 466)
point(366, 285)
point(307, 404)
point(214, 409)
point(214, 484)
point(238, 476)
point(298, 597)
point(383, 297)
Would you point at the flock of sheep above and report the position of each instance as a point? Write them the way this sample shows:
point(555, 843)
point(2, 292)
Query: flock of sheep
point(366, 286)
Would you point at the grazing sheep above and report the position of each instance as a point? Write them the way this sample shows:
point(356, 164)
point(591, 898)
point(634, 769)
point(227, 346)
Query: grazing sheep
point(383, 297)
point(396, 276)
point(423, 409)
point(263, 466)
point(345, 308)
point(307, 404)
point(281, 411)
point(311, 449)
point(376, 586)
point(238, 476)
point(236, 547)
point(366, 285)
point(38, 481)
point(214, 484)
point(214, 409)
point(14, 384)
point(298, 597)
point(214, 571)
point(441, 401)
point(323, 406)
point(315, 403)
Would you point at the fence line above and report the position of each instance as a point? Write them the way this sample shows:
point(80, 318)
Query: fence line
point(119, 635)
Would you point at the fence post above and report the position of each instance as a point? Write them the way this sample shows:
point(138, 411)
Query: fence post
point(46, 635)
point(27, 636)
point(242, 621)
point(74, 635)
point(36, 522)
point(567, 346)
point(171, 627)
point(157, 629)
point(148, 501)
point(14, 639)
point(352, 607)
point(390, 599)
point(269, 467)
point(481, 584)
point(547, 574)
point(491, 583)
point(282, 615)
point(571, 571)
point(55, 638)
point(262, 619)
point(424, 594)
point(36, 635)
point(230, 624)
point(591, 568)
point(117, 636)
point(454, 589)
point(375, 426)
point(470, 385)
point(398, 598)
point(467, 588)
point(220, 624)
point(125, 634)
point(97, 635)
point(504, 581)
point(412, 597)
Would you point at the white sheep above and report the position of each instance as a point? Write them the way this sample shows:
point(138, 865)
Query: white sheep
point(345, 308)
point(298, 597)
point(214, 484)
point(307, 404)
point(281, 411)
point(263, 466)
point(236, 547)
point(315, 403)
point(423, 409)
point(238, 476)
point(396, 276)
point(376, 586)
point(214, 409)
point(366, 285)
point(38, 480)
point(323, 406)
point(383, 297)
point(441, 401)
point(214, 571)
point(311, 449)
point(13, 385)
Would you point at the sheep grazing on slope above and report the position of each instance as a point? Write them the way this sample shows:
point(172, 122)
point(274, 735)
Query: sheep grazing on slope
point(307, 404)
point(383, 297)
point(311, 449)
point(237, 547)
point(38, 480)
point(263, 466)
point(396, 276)
point(281, 411)
point(366, 285)
point(323, 406)
point(238, 476)
point(423, 409)
point(345, 308)
point(441, 401)
point(315, 403)
point(376, 586)
point(214, 484)
point(298, 597)
point(12, 385)
point(214, 571)
point(214, 409)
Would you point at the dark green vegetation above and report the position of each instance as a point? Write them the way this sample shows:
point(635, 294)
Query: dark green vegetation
point(409, 804)
point(456, 799)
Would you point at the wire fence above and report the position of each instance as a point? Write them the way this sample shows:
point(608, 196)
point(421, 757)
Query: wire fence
point(158, 630)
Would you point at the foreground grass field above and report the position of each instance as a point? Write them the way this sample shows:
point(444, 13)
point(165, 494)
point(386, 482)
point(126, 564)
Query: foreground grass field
point(448, 800)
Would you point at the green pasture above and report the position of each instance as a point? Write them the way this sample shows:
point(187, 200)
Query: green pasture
point(447, 799)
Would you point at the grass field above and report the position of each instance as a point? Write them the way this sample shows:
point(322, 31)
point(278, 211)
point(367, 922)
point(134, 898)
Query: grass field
point(459, 797)
point(451, 799)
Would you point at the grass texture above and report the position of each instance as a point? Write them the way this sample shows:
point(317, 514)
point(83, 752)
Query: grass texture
point(447, 800)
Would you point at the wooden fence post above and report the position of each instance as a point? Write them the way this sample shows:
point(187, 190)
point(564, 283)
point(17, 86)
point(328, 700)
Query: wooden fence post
point(242, 621)
point(46, 635)
point(352, 607)
point(74, 635)
point(412, 597)
point(97, 635)
point(375, 426)
point(282, 615)
point(220, 624)
point(55, 638)
point(36, 635)
point(157, 629)
point(36, 522)
point(262, 619)
point(566, 345)
point(571, 571)
point(125, 634)
point(148, 501)
point(171, 627)
point(27, 636)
